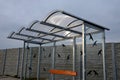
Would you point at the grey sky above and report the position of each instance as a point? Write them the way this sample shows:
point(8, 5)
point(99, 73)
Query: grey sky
point(17, 13)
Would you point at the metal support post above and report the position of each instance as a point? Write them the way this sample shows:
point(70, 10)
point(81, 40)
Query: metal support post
point(53, 60)
point(22, 64)
point(18, 62)
point(74, 55)
point(104, 56)
point(30, 63)
point(114, 61)
point(4, 61)
point(38, 66)
point(26, 59)
point(84, 52)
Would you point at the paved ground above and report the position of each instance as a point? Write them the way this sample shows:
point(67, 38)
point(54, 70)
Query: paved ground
point(8, 78)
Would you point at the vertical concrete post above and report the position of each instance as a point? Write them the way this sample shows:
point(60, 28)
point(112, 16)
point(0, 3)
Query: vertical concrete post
point(22, 64)
point(4, 61)
point(30, 63)
point(18, 62)
point(114, 62)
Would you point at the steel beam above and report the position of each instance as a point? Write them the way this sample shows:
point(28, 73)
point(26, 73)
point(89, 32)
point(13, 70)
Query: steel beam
point(26, 62)
point(74, 55)
point(81, 65)
point(84, 52)
point(53, 60)
point(104, 55)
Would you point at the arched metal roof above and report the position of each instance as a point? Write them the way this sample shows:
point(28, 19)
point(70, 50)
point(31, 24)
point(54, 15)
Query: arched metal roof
point(58, 25)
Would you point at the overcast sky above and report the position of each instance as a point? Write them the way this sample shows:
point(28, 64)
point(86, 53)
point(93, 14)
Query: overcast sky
point(17, 13)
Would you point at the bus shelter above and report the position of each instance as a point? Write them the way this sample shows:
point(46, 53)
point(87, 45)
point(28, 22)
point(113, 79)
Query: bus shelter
point(59, 26)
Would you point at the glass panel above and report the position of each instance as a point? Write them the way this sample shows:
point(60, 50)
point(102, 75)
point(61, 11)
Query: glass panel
point(45, 41)
point(79, 29)
point(9, 36)
point(94, 55)
point(41, 27)
point(54, 30)
point(91, 28)
point(37, 40)
point(63, 20)
point(20, 37)
point(57, 38)
point(67, 34)
point(48, 37)
point(26, 32)
point(63, 58)
point(75, 23)
point(63, 33)
point(59, 19)
point(73, 35)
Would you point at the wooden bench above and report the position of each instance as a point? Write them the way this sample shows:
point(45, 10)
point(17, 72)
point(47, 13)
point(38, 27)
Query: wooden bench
point(63, 72)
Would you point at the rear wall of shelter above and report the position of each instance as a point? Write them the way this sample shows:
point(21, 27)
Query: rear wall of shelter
point(64, 61)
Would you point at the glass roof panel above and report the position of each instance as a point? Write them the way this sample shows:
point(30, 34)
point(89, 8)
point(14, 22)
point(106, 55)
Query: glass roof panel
point(75, 23)
point(37, 40)
point(40, 27)
point(26, 32)
point(58, 18)
point(79, 28)
point(54, 30)
point(57, 38)
point(67, 34)
point(62, 20)
point(48, 37)
point(63, 33)
point(45, 41)
point(72, 35)
point(14, 35)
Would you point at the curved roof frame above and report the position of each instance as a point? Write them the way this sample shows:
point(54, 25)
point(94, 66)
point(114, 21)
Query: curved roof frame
point(53, 27)
point(77, 18)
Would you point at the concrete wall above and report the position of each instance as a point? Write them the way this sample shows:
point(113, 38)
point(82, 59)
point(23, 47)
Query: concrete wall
point(93, 62)
point(1, 61)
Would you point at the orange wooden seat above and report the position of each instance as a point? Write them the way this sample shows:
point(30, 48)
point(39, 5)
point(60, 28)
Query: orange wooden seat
point(63, 72)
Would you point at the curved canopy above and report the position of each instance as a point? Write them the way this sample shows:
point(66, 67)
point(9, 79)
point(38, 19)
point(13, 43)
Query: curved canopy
point(57, 26)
